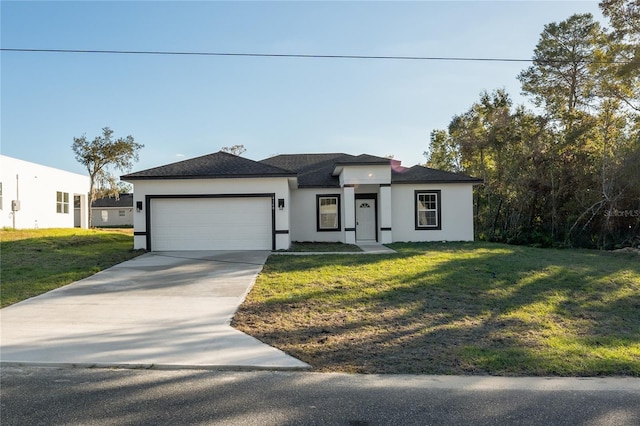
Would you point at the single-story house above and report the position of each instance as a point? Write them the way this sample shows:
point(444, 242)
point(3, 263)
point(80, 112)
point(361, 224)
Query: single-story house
point(112, 212)
point(225, 202)
point(37, 196)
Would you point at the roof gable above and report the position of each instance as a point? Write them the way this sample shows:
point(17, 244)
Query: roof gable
point(317, 170)
point(217, 165)
point(311, 170)
point(362, 159)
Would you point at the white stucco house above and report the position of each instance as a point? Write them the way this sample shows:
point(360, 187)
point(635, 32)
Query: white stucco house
point(225, 202)
point(37, 196)
point(112, 212)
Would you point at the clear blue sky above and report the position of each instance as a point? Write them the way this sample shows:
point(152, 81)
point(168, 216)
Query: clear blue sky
point(185, 106)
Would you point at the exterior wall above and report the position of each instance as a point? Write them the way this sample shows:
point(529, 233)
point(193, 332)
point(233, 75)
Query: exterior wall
point(395, 210)
point(385, 215)
point(363, 175)
point(298, 222)
point(303, 217)
point(112, 215)
point(35, 186)
point(279, 186)
point(456, 206)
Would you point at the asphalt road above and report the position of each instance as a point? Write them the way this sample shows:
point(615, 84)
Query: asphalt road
point(51, 396)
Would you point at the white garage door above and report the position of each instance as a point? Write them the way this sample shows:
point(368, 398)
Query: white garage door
point(211, 224)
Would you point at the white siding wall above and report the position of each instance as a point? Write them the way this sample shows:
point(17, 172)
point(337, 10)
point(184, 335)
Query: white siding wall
point(37, 187)
point(112, 215)
point(279, 186)
point(456, 208)
point(299, 215)
point(303, 216)
point(361, 175)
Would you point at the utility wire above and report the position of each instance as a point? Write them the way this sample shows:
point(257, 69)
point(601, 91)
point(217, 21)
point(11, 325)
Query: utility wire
point(312, 56)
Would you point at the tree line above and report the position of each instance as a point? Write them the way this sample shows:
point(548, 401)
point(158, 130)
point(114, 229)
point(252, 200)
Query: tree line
point(565, 172)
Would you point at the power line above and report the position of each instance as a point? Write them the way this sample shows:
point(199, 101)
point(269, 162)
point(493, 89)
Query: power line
point(307, 56)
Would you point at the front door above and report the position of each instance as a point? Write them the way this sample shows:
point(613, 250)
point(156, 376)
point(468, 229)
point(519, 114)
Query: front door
point(365, 219)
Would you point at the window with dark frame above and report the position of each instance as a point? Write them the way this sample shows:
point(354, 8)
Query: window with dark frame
point(328, 212)
point(62, 202)
point(427, 210)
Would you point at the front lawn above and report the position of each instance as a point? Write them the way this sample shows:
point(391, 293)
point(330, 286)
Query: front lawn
point(453, 308)
point(35, 261)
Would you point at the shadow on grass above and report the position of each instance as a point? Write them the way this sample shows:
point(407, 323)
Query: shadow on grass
point(453, 309)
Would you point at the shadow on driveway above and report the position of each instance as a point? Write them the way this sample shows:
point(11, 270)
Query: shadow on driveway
point(161, 309)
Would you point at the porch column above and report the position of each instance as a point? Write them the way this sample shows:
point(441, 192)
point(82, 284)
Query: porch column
point(349, 204)
point(386, 236)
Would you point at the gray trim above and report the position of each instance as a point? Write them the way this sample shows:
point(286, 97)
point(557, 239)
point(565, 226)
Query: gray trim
point(385, 229)
point(281, 231)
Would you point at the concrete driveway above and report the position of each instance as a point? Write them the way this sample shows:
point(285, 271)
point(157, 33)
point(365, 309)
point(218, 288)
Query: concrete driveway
point(161, 310)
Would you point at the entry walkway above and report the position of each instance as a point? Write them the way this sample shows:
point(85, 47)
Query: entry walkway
point(161, 310)
point(367, 248)
point(375, 248)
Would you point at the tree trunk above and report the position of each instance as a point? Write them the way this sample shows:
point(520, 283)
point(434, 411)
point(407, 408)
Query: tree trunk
point(91, 198)
point(495, 219)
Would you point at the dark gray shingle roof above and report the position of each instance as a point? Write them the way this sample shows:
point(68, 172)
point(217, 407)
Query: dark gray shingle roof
point(125, 200)
point(362, 159)
point(217, 165)
point(312, 170)
point(316, 170)
point(420, 174)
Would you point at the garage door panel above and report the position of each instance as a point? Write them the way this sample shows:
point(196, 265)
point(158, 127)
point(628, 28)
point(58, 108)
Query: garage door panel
point(211, 224)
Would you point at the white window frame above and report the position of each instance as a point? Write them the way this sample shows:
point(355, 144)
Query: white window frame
point(62, 202)
point(434, 206)
point(321, 226)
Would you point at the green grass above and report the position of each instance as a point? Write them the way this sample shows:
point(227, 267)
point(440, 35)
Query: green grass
point(39, 260)
point(454, 308)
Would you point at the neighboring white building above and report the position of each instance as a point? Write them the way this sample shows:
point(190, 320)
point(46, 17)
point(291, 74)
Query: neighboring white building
point(112, 212)
point(37, 196)
point(225, 202)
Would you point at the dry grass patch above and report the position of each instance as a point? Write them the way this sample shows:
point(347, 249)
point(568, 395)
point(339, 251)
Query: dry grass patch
point(456, 308)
